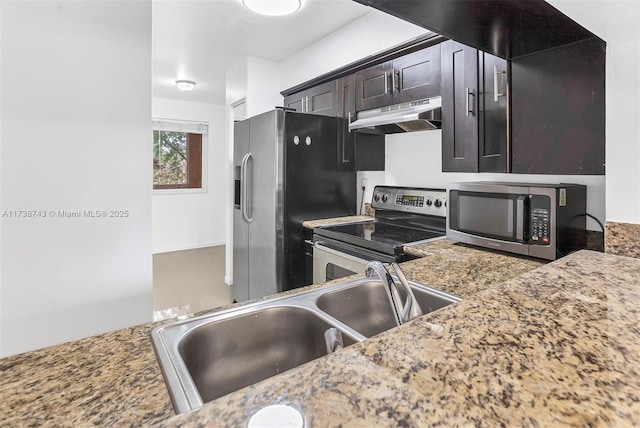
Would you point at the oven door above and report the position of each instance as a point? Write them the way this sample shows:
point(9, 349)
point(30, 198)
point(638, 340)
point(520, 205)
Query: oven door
point(333, 259)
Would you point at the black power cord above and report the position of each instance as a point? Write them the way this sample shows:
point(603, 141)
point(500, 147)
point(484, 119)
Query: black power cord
point(592, 217)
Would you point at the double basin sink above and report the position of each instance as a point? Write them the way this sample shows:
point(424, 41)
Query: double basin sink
point(206, 357)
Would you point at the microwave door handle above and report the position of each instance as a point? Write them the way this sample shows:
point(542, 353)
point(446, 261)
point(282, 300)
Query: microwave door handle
point(520, 218)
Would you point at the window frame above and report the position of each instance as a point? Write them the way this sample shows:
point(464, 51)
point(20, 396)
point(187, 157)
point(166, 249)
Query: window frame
point(191, 129)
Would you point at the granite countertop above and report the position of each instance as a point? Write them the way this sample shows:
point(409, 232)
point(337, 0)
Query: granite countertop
point(107, 380)
point(310, 224)
point(557, 345)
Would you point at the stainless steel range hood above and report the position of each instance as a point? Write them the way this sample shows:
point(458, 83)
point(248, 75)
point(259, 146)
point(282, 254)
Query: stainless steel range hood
point(408, 117)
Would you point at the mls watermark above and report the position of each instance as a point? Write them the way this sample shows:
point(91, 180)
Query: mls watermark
point(65, 214)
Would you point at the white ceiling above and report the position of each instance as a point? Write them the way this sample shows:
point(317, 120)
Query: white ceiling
point(200, 40)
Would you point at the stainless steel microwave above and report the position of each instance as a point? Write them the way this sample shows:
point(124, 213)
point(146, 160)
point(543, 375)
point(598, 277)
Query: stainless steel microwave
point(547, 221)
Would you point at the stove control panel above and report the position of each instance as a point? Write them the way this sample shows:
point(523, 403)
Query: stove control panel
point(411, 199)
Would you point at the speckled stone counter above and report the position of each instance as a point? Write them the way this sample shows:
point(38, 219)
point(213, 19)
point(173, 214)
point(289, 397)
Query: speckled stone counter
point(556, 346)
point(107, 380)
point(463, 270)
point(622, 239)
point(310, 224)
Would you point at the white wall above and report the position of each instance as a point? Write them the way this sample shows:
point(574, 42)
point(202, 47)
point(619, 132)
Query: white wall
point(370, 34)
point(75, 115)
point(192, 218)
point(618, 23)
point(1, 204)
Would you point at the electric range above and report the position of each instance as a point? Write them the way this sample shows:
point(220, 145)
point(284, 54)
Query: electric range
point(404, 216)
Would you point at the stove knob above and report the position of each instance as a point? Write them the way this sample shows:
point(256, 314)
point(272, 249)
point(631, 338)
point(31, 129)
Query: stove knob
point(438, 203)
point(376, 197)
point(385, 197)
point(429, 202)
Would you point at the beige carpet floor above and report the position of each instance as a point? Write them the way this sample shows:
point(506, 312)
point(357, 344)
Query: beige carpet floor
point(189, 281)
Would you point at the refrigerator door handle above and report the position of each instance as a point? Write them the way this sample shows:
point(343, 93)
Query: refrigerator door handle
point(245, 188)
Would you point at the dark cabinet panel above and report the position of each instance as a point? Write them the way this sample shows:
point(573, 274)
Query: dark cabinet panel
point(347, 112)
point(558, 110)
point(295, 101)
point(493, 139)
point(373, 86)
point(417, 75)
point(407, 78)
point(338, 98)
point(507, 28)
point(475, 100)
point(459, 108)
point(321, 99)
point(364, 152)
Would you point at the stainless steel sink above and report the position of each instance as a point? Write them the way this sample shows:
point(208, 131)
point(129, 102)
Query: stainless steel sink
point(227, 355)
point(365, 306)
point(206, 357)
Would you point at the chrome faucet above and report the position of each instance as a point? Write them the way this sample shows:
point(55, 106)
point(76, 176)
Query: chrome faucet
point(403, 312)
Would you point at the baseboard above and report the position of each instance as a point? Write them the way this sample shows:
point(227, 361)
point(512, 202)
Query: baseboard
point(188, 247)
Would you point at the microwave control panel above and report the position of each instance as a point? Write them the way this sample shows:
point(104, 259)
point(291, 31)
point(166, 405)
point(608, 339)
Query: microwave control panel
point(540, 220)
point(409, 199)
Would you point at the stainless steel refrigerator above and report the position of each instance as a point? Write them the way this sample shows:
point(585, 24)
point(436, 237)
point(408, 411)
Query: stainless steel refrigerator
point(286, 171)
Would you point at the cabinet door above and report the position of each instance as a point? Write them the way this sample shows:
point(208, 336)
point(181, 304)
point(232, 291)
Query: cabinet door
point(459, 108)
point(295, 101)
point(347, 108)
point(493, 138)
point(373, 86)
point(417, 75)
point(321, 99)
point(558, 115)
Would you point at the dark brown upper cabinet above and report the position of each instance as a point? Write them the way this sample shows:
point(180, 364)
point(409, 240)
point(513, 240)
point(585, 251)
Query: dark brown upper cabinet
point(364, 152)
point(558, 110)
point(493, 120)
point(505, 28)
point(459, 108)
point(475, 93)
point(321, 99)
point(337, 98)
point(347, 110)
point(408, 78)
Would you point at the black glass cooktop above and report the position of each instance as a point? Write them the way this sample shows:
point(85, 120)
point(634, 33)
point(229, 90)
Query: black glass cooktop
point(379, 236)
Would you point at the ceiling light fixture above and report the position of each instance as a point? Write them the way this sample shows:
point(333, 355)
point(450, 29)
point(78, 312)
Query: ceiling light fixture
point(273, 7)
point(185, 85)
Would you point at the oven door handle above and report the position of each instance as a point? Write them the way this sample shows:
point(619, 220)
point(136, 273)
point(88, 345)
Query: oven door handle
point(319, 246)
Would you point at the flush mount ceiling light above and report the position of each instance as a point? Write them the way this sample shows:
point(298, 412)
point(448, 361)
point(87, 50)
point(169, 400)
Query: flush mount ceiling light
point(273, 7)
point(185, 85)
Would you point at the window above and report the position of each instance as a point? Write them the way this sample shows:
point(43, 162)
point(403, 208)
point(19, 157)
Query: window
point(177, 154)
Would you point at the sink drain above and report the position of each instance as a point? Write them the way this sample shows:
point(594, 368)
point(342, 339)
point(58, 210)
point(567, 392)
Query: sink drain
point(276, 416)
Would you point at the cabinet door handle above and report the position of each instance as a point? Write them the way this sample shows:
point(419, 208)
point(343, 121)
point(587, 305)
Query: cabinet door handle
point(349, 122)
point(469, 94)
point(386, 83)
point(496, 94)
point(395, 83)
